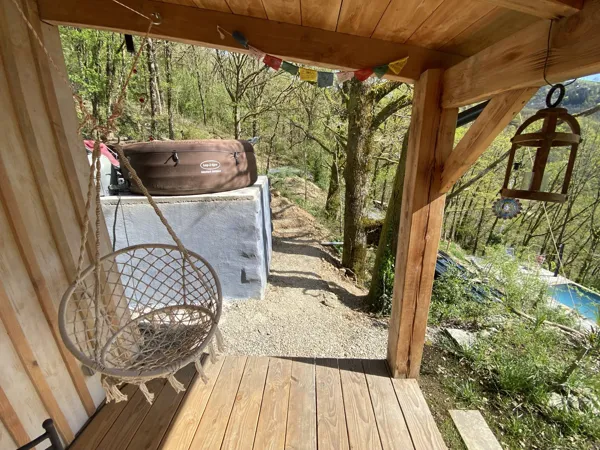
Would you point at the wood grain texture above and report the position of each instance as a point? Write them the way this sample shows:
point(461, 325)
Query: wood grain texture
point(150, 433)
point(213, 424)
point(302, 411)
point(96, 430)
point(213, 5)
point(272, 422)
point(359, 17)
point(244, 416)
point(331, 417)
point(496, 25)
point(494, 118)
point(362, 428)
point(546, 9)
point(518, 60)
point(289, 41)
point(450, 19)
point(403, 17)
point(392, 427)
point(252, 8)
point(287, 11)
point(6, 440)
point(424, 432)
point(181, 432)
point(474, 430)
point(8, 416)
point(137, 407)
point(319, 14)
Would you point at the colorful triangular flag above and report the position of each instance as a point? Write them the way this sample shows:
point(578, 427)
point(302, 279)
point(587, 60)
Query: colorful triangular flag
point(289, 68)
point(363, 74)
point(307, 74)
point(325, 79)
point(398, 65)
point(256, 53)
point(380, 71)
point(272, 61)
point(344, 76)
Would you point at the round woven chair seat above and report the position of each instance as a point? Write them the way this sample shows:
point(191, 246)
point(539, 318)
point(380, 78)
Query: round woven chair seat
point(146, 314)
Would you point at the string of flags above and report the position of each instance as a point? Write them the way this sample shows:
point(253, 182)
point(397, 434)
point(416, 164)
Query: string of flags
point(321, 78)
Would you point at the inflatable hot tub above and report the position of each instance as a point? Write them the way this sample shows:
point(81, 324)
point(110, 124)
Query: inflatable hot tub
point(192, 167)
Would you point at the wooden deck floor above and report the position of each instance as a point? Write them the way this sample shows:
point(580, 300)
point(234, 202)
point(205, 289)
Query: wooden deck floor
point(271, 403)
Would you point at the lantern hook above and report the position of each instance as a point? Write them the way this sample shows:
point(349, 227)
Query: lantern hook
point(561, 94)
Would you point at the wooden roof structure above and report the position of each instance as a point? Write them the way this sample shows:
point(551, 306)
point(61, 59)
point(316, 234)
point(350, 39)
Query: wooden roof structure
point(460, 52)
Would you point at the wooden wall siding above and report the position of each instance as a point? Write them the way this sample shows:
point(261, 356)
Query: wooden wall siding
point(43, 169)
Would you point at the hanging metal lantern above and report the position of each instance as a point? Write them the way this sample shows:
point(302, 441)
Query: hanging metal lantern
point(544, 141)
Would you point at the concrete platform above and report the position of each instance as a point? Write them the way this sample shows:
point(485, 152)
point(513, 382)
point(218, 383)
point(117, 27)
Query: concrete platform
point(231, 230)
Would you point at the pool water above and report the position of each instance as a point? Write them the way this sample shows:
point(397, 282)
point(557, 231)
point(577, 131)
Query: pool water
point(584, 301)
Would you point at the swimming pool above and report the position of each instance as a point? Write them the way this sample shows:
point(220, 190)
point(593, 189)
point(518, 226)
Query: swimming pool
point(586, 302)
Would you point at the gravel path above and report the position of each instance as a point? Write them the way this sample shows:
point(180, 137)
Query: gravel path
point(310, 308)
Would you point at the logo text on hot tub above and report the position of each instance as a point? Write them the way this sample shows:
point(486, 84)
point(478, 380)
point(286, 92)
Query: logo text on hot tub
point(210, 166)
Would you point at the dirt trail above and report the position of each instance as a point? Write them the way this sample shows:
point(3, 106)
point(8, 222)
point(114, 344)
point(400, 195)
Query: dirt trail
point(310, 308)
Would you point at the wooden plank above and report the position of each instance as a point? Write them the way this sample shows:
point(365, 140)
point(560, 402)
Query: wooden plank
point(31, 365)
point(124, 428)
point(96, 430)
point(359, 17)
point(6, 440)
point(39, 142)
point(431, 139)
point(213, 5)
point(293, 42)
point(318, 14)
point(498, 24)
point(546, 9)
point(151, 431)
point(270, 432)
point(181, 432)
point(474, 430)
point(213, 424)
point(11, 421)
point(495, 117)
point(287, 11)
point(331, 418)
point(447, 21)
point(403, 17)
point(302, 412)
point(421, 424)
point(244, 416)
point(362, 428)
point(252, 8)
point(388, 414)
point(518, 60)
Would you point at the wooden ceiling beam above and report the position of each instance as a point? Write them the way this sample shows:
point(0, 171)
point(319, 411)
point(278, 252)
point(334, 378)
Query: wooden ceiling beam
point(518, 60)
point(546, 9)
point(494, 118)
point(292, 42)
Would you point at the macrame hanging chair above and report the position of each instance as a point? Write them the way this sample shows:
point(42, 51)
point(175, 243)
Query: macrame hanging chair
point(141, 312)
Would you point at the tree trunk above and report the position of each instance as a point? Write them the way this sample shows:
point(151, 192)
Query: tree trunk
point(152, 87)
point(169, 77)
point(382, 282)
point(356, 174)
point(332, 205)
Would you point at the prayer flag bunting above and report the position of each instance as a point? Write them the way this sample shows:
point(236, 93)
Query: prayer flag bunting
point(325, 79)
point(240, 38)
point(380, 71)
point(289, 68)
point(272, 62)
point(363, 74)
point(398, 65)
point(256, 53)
point(307, 74)
point(344, 76)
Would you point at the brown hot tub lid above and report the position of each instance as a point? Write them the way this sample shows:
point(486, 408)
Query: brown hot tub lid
point(192, 167)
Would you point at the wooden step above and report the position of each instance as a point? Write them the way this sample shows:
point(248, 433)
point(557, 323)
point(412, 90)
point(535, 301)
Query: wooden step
point(474, 430)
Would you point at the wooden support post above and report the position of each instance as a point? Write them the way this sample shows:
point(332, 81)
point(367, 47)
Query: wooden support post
point(430, 142)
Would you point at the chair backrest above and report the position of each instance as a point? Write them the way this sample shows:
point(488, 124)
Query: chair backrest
point(51, 434)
